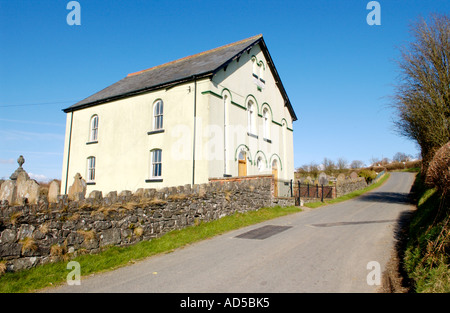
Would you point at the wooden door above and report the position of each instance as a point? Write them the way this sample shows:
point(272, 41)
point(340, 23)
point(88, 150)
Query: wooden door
point(242, 166)
point(275, 177)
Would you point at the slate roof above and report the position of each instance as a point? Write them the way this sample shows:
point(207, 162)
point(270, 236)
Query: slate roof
point(200, 65)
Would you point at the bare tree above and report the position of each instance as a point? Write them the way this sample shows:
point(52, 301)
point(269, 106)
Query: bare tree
point(341, 164)
point(384, 161)
point(375, 160)
point(356, 164)
point(314, 169)
point(401, 157)
point(328, 166)
point(422, 98)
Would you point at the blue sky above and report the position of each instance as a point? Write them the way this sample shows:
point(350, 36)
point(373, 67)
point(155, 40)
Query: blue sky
point(337, 70)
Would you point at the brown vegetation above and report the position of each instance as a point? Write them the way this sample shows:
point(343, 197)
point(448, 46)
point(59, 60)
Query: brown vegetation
point(438, 173)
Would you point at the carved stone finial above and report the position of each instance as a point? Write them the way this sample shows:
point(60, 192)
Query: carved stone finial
point(14, 175)
point(20, 160)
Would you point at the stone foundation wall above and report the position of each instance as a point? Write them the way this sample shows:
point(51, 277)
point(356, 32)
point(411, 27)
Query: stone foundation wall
point(34, 234)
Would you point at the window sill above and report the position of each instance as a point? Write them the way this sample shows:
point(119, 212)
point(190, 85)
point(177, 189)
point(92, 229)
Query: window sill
point(90, 183)
point(267, 140)
point(252, 135)
point(92, 142)
point(158, 131)
point(154, 180)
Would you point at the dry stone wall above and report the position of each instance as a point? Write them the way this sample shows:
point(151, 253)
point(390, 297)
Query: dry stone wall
point(345, 186)
point(47, 232)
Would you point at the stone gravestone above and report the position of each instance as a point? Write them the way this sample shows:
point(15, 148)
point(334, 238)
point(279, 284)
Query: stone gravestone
point(341, 177)
point(26, 188)
point(78, 189)
point(323, 179)
point(8, 191)
point(53, 191)
point(353, 175)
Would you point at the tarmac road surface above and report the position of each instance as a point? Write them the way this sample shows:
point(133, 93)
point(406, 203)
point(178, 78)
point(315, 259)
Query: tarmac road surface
point(335, 248)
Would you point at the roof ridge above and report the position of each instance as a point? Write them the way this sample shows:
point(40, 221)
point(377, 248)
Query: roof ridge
point(195, 55)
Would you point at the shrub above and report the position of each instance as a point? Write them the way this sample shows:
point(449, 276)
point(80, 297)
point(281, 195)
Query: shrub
point(413, 164)
point(438, 173)
point(368, 175)
point(377, 169)
point(395, 166)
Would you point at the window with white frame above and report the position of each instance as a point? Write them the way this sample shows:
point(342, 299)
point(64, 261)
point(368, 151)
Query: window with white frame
point(93, 133)
point(156, 165)
point(91, 169)
point(158, 110)
point(251, 117)
point(266, 123)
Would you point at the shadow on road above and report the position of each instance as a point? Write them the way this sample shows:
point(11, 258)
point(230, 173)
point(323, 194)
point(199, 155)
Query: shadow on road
point(394, 278)
point(388, 197)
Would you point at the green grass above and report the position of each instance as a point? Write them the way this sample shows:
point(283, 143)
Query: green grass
point(114, 257)
point(426, 259)
point(348, 196)
point(410, 170)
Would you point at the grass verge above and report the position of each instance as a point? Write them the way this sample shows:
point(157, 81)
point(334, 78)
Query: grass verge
point(349, 196)
point(411, 170)
point(114, 257)
point(426, 258)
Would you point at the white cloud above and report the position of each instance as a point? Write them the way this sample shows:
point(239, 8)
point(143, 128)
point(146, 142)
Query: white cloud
point(15, 135)
point(32, 122)
point(5, 161)
point(39, 177)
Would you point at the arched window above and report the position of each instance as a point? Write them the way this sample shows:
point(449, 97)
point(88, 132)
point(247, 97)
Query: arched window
point(156, 166)
point(262, 69)
point(90, 169)
point(251, 117)
point(158, 110)
point(259, 163)
point(93, 133)
point(255, 67)
point(266, 123)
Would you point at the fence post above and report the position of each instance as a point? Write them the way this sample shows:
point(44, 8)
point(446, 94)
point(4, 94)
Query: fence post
point(322, 193)
point(317, 191)
point(308, 190)
point(299, 190)
point(292, 191)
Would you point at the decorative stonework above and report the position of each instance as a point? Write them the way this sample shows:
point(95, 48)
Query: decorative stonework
point(20, 189)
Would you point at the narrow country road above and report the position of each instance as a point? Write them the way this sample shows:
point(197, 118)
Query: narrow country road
point(322, 250)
